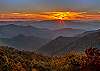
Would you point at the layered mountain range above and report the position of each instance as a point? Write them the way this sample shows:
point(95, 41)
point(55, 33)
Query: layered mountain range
point(79, 43)
point(33, 37)
point(30, 37)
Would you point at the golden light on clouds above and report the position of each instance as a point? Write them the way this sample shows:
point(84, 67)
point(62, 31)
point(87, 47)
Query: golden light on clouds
point(60, 15)
point(50, 16)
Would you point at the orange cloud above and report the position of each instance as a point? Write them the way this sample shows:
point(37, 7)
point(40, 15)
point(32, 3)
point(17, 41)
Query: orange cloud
point(50, 16)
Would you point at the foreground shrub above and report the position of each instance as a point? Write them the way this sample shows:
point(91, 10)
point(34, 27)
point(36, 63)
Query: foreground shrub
point(92, 60)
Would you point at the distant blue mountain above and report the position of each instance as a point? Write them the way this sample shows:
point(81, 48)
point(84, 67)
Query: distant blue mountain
point(75, 24)
point(28, 43)
point(11, 30)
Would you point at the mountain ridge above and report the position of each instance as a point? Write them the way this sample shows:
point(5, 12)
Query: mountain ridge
point(62, 44)
point(30, 43)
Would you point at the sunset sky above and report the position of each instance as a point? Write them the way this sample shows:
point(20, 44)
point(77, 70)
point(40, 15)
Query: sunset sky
point(49, 9)
point(50, 16)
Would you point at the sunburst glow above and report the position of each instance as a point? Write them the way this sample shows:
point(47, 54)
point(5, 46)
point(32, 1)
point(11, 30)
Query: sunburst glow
point(50, 16)
point(61, 15)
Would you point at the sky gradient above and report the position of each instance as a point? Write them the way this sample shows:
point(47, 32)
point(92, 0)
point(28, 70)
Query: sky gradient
point(49, 5)
point(49, 9)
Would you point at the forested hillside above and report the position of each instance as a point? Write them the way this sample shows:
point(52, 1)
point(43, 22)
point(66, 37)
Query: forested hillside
point(14, 60)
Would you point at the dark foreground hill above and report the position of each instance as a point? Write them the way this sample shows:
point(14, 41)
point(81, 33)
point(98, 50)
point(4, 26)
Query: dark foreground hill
point(14, 60)
point(62, 44)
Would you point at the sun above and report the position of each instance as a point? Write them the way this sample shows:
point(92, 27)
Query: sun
point(59, 16)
